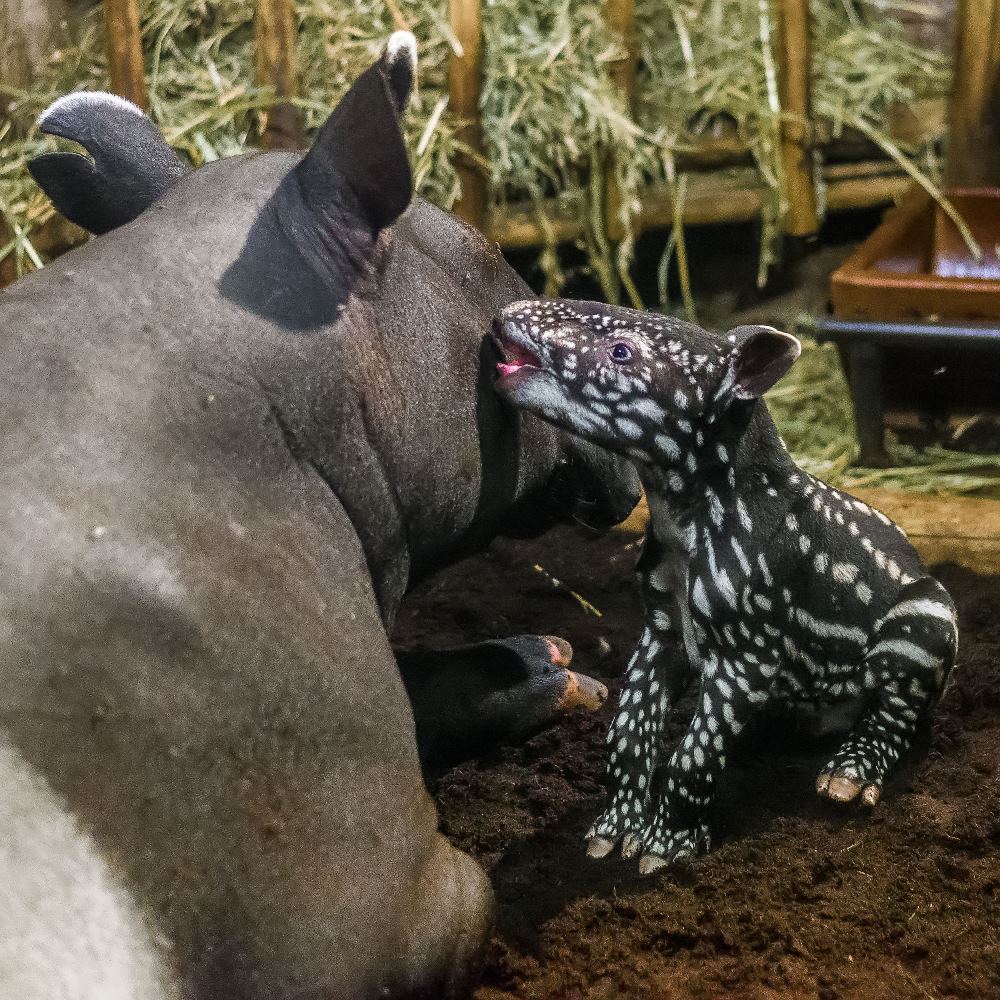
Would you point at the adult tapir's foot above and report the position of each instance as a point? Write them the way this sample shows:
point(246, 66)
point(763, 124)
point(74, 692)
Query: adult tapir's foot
point(468, 701)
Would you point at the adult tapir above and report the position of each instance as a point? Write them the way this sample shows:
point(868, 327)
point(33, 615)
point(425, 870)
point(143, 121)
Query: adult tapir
point(235, 430)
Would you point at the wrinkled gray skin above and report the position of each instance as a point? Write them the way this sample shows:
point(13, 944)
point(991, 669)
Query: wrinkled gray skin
point(234, 432)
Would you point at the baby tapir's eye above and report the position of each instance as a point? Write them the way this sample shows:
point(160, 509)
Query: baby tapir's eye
point(621, 353)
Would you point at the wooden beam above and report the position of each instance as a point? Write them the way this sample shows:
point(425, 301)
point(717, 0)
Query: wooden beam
point(965, 530)
point(620, 18)
point(125, 63)
point(465, 80)
point(277, 34)
point(974, 148)
point(801, 216)
point(711, 198)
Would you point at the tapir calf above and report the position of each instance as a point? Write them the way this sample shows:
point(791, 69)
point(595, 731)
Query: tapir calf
point(234, 431)
point(775, 588)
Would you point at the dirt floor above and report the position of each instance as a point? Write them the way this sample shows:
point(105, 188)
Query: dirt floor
point(797, 898)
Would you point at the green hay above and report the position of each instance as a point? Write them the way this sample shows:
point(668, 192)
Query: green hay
point(710, 61)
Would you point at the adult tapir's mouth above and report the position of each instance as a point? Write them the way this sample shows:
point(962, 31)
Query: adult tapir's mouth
point(519, 359)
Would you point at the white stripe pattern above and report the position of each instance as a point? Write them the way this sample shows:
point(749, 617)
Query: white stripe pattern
point(909, 650)
point(830, 630)
point(918, 606)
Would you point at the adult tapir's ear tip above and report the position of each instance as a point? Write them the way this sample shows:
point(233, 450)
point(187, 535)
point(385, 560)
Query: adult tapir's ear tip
point(67, 114)
point(763, 354)
point(362, 145)
point(402, 45)
point(400, 62)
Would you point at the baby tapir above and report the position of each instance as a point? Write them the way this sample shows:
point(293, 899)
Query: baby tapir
point(781, 590)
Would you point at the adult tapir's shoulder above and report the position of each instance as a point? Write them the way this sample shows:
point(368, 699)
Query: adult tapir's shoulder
point(445, 243)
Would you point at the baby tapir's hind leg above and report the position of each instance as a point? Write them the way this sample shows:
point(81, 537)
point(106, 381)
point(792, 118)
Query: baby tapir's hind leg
point(914, 650)
point(655, 678)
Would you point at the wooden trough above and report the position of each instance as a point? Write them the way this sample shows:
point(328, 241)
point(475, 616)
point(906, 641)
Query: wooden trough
point(916, 313)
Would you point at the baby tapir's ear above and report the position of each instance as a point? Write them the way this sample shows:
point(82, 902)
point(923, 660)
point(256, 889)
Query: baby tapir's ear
point(360, 151)
point(131, 165)
point(763, 355)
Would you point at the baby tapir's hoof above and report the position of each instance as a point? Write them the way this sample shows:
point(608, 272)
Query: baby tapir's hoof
point(841, 788)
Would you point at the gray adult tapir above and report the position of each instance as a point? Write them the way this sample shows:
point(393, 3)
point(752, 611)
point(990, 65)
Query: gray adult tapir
point(234, 431)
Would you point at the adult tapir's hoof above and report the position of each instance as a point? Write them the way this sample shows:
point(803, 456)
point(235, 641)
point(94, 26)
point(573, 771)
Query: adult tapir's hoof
point(468, 701)
point(580, 691)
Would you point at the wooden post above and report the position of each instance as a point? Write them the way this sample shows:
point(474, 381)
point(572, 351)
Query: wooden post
point(974, 146)
point(792, 21)
point(277, 34)
point(125, 50)
point(620, 18)
point(465, 77)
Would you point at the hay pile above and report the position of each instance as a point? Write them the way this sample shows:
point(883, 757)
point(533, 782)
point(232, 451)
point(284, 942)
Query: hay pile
point(549, 108)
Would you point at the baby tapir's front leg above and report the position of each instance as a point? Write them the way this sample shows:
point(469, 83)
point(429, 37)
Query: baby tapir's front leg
point(656, 676)
point(732, 689)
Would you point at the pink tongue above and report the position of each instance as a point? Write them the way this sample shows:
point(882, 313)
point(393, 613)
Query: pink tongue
point(508, 369)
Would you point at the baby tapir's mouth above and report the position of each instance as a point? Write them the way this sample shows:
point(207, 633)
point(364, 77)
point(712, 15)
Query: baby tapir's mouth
point(519, 359)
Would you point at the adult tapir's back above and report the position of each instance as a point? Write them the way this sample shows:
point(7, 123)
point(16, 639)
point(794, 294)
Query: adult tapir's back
point(192, 653)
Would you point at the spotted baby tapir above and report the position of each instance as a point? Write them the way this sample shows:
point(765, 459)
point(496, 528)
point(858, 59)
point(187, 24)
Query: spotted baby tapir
point(781, 591)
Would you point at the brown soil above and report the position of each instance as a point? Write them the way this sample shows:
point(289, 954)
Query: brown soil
point(797, 898)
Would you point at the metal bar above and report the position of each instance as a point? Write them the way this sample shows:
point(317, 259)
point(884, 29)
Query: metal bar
point(903, 333)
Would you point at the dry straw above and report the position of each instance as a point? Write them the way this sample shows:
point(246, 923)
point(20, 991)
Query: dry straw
point(549, 108)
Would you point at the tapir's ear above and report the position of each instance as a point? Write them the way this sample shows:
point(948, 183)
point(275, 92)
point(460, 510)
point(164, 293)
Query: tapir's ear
point(73, 186)
point(131, 166)
point(762, 356)
point(361, 145)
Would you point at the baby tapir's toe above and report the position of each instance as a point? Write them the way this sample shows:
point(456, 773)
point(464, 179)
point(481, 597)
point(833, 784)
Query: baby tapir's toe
point(842, 788)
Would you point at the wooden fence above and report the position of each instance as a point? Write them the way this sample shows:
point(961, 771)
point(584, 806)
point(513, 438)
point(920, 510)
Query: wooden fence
point(711, 195)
